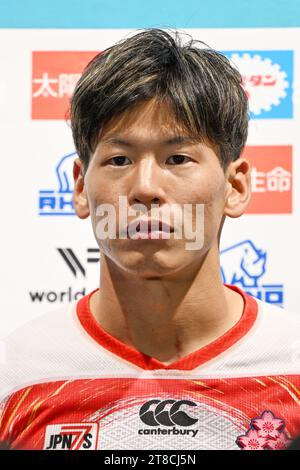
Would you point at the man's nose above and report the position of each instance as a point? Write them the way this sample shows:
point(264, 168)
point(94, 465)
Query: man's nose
point(146, 183)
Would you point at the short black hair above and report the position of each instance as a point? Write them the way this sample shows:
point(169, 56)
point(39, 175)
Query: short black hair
point(202, 86)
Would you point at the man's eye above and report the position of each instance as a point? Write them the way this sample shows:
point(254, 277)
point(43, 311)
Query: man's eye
point(179, 158)
point(119, 160)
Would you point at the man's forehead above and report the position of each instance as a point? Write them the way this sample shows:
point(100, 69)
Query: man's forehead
point(153, 117)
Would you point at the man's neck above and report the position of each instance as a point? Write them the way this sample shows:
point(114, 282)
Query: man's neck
point(170, 317)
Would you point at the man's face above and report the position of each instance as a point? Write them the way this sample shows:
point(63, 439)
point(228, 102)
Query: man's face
point(148, 173)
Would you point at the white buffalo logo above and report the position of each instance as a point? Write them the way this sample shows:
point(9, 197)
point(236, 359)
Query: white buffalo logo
point(243, 264)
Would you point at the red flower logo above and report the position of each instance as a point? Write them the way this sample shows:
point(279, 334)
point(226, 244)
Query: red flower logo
point(252, 441)
point(265, 433)
point(268, 425)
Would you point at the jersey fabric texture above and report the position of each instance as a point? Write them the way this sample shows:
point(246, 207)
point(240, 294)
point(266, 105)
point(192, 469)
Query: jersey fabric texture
point(66, 383)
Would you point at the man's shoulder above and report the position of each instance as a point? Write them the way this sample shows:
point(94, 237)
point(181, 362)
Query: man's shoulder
point(277, 314)
point(46, 325)
point(268, 316)
point(270, 346)
point(53, 347)
point(35, 350)
point(273, 342)
point(277, 325)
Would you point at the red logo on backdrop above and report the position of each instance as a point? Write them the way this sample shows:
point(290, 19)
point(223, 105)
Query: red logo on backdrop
point(54, 76)
point(271, 179)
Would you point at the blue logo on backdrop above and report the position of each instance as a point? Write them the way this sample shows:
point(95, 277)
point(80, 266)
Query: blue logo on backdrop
point(267, 80)
point(243, 264)
point(59, 201)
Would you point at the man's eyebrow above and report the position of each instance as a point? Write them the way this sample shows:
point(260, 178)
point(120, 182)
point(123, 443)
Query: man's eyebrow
point(179, 139)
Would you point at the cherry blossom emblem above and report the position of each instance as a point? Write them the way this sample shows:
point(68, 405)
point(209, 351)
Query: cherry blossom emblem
point(265, 433)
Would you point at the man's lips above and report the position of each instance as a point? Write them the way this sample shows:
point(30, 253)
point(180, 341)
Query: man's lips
point(148, 226)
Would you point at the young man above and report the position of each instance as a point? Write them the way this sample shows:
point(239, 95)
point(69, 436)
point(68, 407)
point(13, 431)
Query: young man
point(162, 355)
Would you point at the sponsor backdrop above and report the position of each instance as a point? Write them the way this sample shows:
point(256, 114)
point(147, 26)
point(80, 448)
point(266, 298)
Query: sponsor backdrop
point(48, 256)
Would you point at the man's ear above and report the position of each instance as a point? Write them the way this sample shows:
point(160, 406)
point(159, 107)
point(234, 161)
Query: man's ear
point(80, 200)
point(238, 192)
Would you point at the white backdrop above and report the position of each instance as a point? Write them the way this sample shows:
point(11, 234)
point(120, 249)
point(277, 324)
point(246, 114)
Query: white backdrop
point(45, 257)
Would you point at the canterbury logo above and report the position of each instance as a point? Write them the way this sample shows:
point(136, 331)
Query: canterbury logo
point(166, 417)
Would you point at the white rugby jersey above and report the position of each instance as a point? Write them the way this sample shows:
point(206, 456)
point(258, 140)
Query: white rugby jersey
point(69, 384)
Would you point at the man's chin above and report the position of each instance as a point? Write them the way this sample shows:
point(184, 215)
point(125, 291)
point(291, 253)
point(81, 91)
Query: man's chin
point(151, 265)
